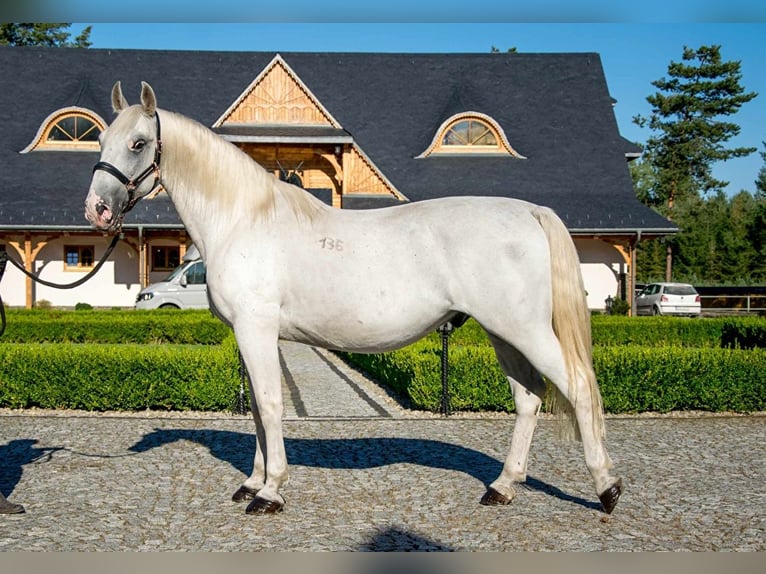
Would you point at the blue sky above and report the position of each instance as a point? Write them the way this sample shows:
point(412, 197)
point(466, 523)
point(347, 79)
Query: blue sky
point(635, 46)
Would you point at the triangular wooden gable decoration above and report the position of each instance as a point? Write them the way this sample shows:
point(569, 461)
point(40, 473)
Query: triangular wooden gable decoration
point(278, 97)
point(366, 178)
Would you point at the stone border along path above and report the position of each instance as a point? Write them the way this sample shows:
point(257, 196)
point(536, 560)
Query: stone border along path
point(368, 474)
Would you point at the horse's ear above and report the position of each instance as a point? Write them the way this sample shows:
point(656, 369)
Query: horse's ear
point(119, 102)
point(148, 99)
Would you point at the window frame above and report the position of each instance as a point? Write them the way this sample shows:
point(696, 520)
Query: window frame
point(79, 248)
point(501, 148)
point(167, 266)
point(41, 142)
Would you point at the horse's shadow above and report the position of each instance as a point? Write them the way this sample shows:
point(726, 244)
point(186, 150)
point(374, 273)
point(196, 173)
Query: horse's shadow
point(14, 455)
point(237, 449)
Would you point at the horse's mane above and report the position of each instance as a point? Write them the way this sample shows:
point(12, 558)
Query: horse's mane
point(224, 174)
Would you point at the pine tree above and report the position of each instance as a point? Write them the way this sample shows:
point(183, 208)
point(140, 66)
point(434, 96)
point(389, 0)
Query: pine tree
point(52, 35)
point(689, 136)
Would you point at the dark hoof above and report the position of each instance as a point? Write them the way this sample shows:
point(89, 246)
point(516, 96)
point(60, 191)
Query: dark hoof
point(244, 493)
point(263, 506)
point(493, 498)
point(610, 496)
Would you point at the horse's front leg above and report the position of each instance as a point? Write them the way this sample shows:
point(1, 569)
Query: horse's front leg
point(257, 479)
point(258, 343)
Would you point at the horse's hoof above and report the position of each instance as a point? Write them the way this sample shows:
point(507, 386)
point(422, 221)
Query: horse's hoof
point(610, 496)
point(493, 498)
point(244, 493)
point(262, 506)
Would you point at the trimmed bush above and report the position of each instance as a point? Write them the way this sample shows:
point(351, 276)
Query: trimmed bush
point(632, 379)
point(656, 364)
point(140, 327)
point(119, 377)
point(744, 333)
point(663, 379)
point(656, 331)
point(619, 330)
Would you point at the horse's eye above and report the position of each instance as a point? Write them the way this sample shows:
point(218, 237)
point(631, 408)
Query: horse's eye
point(138, 145)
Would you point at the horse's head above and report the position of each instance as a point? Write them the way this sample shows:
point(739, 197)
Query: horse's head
point(130, 154)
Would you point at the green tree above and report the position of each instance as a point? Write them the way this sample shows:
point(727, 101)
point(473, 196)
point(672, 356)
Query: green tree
point(689, 135)
point(760, 183)
point(52, 35)
point(756, 226)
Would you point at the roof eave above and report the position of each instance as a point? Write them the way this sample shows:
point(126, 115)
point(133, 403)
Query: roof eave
point(289, 139)
point(624, 231)
point(84, 228)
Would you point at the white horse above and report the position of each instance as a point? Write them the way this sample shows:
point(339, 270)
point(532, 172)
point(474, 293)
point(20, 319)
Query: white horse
point(283, 265)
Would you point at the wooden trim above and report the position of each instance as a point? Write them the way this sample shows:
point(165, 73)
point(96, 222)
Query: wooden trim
point(39, 142)
point(277, 96)
point(503, 148)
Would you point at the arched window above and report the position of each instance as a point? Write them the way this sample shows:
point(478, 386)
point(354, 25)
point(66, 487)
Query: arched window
point(68, 129)
point(73, 129)
point(470, 133)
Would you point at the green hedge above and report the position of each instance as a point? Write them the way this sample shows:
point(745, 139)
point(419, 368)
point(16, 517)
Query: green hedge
point(119, 377)
point(632, 379)
point(647, 331)
point(643, 364)
point(744, 333)
point(117, 326)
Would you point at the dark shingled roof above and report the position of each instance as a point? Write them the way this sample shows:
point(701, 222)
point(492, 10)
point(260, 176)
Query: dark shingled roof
point(555, 110)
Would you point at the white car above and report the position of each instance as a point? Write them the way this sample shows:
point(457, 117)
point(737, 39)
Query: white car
point(668, 299)
point(184, 288)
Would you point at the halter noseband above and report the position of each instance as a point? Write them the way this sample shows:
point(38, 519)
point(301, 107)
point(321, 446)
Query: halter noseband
point(132, 184)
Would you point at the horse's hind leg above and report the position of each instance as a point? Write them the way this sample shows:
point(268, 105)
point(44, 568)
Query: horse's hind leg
point(528, 389)
point(544, 352)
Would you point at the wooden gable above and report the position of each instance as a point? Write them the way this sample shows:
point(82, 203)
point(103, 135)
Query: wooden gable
point(278, 97)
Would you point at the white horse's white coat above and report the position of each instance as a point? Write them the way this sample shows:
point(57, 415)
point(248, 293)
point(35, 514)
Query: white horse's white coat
point(281, 264)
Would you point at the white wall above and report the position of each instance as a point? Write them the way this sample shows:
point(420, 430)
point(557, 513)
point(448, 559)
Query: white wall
point(115, 285)
point(12, 287)
point(601, 264)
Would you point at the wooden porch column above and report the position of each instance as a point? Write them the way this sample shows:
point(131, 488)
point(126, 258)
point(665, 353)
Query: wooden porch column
point(30, 255)
point(29, 267)
point(142, 275)
point(632, 275)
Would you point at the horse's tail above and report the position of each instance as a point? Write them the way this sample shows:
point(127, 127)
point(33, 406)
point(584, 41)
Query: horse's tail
point(571, 323)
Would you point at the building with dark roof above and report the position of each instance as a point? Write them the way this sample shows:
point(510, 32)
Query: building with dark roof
point(358, 130)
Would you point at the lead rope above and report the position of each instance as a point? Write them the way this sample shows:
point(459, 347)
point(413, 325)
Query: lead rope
point(5, 258)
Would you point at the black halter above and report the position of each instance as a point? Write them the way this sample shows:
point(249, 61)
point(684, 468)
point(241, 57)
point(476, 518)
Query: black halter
point(132, 184)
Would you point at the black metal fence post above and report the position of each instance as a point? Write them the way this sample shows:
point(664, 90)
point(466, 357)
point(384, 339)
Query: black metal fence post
point(240, 403)
point(445, 331)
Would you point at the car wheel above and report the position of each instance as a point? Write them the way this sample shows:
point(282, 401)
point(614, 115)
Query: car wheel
point(656, 311)
point(169, 306)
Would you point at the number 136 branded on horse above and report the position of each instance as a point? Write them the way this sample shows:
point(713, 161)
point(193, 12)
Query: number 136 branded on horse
point(283, 265)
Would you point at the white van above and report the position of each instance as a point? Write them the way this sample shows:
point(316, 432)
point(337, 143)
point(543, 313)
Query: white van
point(184, 288)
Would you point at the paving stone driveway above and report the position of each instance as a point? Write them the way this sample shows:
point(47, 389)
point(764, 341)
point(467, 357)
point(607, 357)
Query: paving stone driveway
point(369, 475)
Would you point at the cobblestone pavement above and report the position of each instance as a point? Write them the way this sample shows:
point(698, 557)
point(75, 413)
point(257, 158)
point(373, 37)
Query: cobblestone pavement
point(367, 474)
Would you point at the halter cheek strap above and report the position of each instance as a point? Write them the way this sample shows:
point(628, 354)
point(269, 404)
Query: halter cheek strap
point(132, 184)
